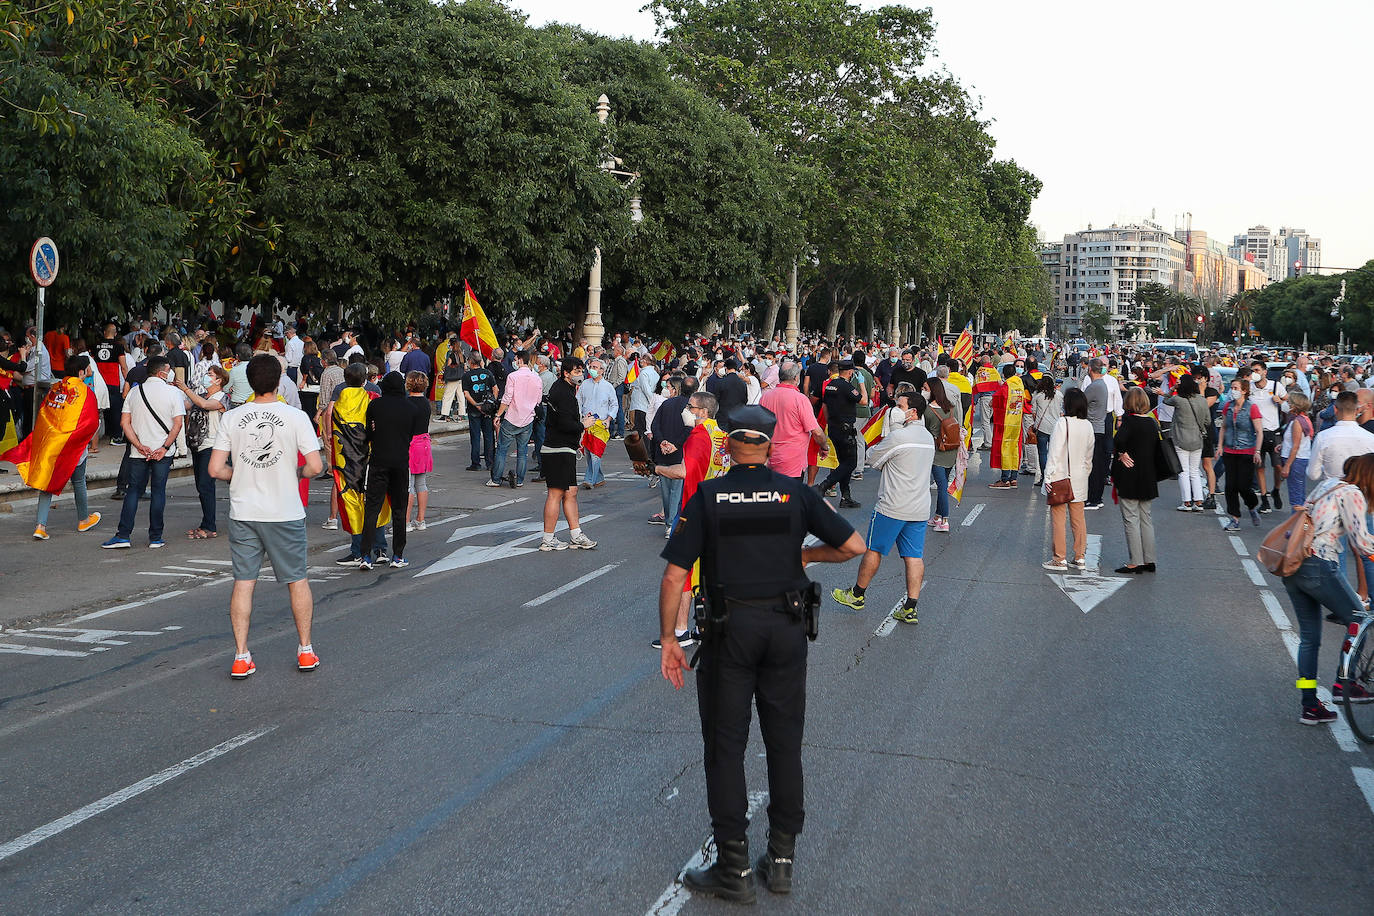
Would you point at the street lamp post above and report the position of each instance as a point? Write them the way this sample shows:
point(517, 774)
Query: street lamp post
point(592, 327)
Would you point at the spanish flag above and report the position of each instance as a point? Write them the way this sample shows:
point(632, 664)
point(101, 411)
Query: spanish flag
point(67, 422)
point(633, 372)
point(475, 329)
point(595, 437)
point(664, 351)
point(873, 429)
point(350, 458)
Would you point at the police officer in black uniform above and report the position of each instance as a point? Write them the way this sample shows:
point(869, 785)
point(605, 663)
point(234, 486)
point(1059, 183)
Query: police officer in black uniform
point(841, 398)
point(747, 529)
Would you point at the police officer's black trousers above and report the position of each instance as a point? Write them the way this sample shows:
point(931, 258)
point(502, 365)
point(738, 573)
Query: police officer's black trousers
point(844, 436)
point(762, 657)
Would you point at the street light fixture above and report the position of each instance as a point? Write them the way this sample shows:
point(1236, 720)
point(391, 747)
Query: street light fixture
point(592, 327)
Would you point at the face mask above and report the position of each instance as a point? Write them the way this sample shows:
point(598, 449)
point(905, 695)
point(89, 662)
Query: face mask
point(689, 418)
point(595, 373)
point(720, 370)
point(1255, 376)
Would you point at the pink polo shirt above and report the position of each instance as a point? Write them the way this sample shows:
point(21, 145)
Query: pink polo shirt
point(792, 435)
point(523, 393)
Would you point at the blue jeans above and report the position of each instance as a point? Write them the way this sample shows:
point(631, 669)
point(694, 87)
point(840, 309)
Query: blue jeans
point(537, 441)
point(670, 491)
point(355, 542)
point(1042, 446)
point(481, 436)
point(1008, 476)
point(205, 488)
point(941, 477)
point(1297, 482)
point(618, 428)
point(594, 475)
point(141, 471)
point(1317, 583)
point(83, 510)
point(520, 435)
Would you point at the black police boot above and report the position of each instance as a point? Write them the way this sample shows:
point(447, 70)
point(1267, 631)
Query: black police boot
point(729, 878)
point(775, 865)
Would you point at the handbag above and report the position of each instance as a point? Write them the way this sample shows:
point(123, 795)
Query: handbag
point(1283, 549)
point(1167, 465)
point(951, 434)
point(1058, 492)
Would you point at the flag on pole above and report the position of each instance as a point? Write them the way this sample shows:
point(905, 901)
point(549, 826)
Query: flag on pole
point(663, 351)
point(475, 329)
point(873, 429)
point(939, 346)
point(963, 347)
point(67, 422)
point(633, 372)
point(595, 437)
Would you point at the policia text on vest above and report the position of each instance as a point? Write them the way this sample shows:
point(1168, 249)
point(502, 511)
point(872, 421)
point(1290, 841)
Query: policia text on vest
point(747, 530)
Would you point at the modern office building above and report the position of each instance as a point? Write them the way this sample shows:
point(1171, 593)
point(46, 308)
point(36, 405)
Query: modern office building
point(1302, 249)
point(1263, 248)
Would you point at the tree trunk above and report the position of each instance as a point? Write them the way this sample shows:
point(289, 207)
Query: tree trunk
point(832, 322)
point(770, 316)
point(849, 315)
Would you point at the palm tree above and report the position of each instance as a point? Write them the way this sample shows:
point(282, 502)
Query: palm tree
point(1240, 310)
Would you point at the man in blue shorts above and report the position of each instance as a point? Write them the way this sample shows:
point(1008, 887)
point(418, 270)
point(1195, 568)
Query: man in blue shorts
point(904, 456)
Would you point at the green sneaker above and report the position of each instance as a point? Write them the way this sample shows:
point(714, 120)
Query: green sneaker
point(905, 615)
point(849, 599)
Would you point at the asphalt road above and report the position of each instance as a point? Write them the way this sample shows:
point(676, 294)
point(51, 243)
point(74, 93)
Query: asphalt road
point(461, 752)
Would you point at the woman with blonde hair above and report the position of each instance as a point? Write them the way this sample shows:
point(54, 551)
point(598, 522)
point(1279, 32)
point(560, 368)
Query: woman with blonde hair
point(1296, 447)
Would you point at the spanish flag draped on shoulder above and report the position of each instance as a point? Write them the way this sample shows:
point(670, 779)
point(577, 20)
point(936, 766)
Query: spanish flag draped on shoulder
point(350, 458)
point(595, 437)
point(475, 329)
point(67, 422)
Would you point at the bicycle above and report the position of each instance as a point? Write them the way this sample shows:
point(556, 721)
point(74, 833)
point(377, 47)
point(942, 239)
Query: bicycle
point(1357, 670)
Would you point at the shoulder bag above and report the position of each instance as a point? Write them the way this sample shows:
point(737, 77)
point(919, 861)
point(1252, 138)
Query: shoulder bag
point(1283, 549)
point(1167, 465)
point(175, 449)
point(951, 434)
point(1060, 491)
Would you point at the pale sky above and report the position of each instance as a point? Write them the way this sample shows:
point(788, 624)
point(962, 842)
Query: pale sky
point(1241, 114)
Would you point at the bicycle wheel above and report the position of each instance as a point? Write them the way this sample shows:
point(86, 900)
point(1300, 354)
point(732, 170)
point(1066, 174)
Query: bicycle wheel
point(1361, 674)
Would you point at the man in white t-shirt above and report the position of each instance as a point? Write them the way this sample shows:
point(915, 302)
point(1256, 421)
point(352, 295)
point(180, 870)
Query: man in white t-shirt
point(266, 516)
point(151, 421)
point(1267, 396)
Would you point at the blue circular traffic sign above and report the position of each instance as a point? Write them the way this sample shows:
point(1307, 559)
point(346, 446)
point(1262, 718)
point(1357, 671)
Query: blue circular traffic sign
point(43, 261)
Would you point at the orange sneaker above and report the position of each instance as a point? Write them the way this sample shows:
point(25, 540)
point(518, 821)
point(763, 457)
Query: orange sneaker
point(40, 533)
point(242, 668)
point(89, 523)
point(307, 661)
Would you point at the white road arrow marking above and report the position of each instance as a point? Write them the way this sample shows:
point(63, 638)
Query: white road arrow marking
point(1088, 591)
point(473, 554)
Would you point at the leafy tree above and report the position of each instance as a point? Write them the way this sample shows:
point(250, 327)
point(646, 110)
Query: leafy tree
point(442, 143)
point(1096, 321)
point(102, 184)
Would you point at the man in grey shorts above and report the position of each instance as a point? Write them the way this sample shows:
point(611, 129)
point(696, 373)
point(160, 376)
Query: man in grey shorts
point(263, 438)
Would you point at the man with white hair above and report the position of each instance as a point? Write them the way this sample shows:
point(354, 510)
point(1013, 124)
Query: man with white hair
point(596, 398)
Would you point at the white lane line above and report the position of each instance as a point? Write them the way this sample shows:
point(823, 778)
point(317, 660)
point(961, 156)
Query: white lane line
point(1239, 545)
point(337, 549)
point(173, 575)
point(212, 562)
point(887, 626)
point(1340, 729)
point(189, 569)
point(1253, 571)
point(1092, 556)
point(509, 502)
point(1290, 642)
point(1364, 778)
point(564, 589)
point(33, 837)
point(1276, 614)
point(973, 514)
point(125, 607)
point(1223, 521)
point(676, 896)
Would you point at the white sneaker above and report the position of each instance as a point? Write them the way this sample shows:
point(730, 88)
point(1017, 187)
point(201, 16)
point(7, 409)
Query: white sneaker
point(1080, 564)
point(582, 542)
point(1055, 565)
point(410, 526)
point(553, 544)
point(422, 525)
point(330, 524)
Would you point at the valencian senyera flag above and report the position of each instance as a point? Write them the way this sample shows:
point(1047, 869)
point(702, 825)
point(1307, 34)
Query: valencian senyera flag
point(67, 422)
point(873, 429)
point(350, 458)
point(963, 346)
point(475, 329)
point(595, 437)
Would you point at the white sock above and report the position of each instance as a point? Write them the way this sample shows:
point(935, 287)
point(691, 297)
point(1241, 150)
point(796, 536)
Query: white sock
point(680, 633)
point(574, 532)
point(549, 537)
point(301, 650)
point(243, 656)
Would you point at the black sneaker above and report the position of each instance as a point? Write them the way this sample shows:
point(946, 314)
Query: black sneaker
point(686, 639)
point(1278, 500)
point(1321, 714)
point(1357, 693)
point(1264, 506)
point(1210, 502)
point(847, 503)
point(347, 561)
